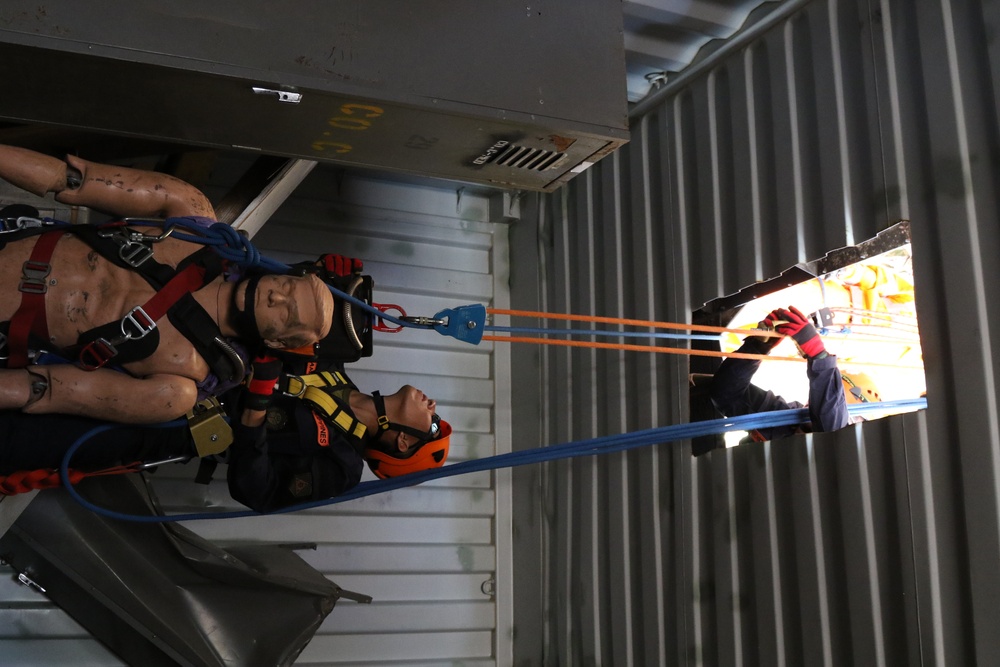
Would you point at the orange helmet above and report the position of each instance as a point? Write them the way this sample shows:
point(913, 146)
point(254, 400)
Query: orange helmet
point(430, 451)
point(859, 388)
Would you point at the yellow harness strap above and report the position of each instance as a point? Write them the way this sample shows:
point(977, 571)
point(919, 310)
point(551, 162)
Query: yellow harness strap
point(316, 390)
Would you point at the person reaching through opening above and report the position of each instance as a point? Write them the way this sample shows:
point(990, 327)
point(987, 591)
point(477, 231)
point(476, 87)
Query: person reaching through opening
point(733, 393)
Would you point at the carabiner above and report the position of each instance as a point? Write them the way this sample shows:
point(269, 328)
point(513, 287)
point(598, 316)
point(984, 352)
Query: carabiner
point(419, 321)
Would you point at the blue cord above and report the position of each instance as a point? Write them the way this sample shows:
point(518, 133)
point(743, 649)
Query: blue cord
point(593, 446)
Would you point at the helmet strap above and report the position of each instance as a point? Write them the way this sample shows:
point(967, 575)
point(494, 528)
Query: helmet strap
point(245, 321)
point(385, 425)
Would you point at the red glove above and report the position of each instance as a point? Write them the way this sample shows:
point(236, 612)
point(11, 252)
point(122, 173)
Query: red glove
point(793, 323)
point(266, 370)
point(339, 265)
point(765, 343)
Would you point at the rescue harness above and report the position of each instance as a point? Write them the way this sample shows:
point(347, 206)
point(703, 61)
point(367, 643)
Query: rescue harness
point(135, 336)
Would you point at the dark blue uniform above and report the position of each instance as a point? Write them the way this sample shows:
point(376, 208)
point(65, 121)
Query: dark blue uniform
point(271, 467)
point(733, 394)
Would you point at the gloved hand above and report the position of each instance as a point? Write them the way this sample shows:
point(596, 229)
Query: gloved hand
point(340, 265)
point(764, 344)
point(260, 389)
point(793, 323)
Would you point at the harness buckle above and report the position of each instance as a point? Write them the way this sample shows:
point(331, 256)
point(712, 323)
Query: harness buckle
point(33, 277)
point(142, 328)
point(134, 247)
point(133, 253)
point(96, 354)
point(294, 380)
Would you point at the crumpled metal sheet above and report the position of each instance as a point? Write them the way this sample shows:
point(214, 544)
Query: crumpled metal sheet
point(158, 594)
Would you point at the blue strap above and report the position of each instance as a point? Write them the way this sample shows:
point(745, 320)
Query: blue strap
point(601, 445)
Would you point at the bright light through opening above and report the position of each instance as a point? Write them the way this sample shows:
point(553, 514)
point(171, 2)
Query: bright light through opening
point(868, 318)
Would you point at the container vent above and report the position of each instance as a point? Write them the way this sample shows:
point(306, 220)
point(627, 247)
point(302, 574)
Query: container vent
point(522, 157)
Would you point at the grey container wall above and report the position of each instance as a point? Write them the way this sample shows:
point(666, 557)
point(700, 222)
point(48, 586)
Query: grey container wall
point(822, 124)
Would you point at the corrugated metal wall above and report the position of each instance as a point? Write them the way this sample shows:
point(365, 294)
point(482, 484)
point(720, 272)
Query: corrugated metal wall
point(879, 544)
point(436, 558)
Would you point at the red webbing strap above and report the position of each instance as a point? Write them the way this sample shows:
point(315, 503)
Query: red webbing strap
point(30, 315)
point(24, 481)
point(190, 279)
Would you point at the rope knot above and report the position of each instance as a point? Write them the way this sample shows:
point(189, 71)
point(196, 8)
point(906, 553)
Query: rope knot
point(234, 246)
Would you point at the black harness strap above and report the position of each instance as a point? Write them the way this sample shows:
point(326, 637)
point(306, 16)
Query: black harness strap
point(186, 314)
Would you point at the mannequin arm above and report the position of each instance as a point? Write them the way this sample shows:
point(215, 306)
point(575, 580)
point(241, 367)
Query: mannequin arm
point(116, 190)
point(102, 394)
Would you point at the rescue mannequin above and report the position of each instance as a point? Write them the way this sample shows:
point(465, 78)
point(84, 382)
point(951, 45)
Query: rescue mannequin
point(83, 290)
point(829, 391)
point(306, 442)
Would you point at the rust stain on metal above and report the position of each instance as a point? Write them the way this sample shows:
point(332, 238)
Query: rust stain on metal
point(562, 144)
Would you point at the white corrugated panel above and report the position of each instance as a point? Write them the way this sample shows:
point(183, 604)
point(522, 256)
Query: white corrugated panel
point(435, 558)
point(425, 554)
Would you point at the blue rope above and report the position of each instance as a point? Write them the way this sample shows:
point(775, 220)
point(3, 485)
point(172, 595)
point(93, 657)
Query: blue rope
point(601, 445)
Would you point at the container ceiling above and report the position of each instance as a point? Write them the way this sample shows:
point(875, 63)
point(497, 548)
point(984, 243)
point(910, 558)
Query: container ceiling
point(664, 36)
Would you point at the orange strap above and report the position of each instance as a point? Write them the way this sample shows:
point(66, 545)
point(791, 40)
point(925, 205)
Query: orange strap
point(649, 348)
point(23, 481)
point(637, 348)
point(631, 322)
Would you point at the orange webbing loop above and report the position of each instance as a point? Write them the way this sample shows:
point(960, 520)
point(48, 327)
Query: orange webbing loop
point(24, 481)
